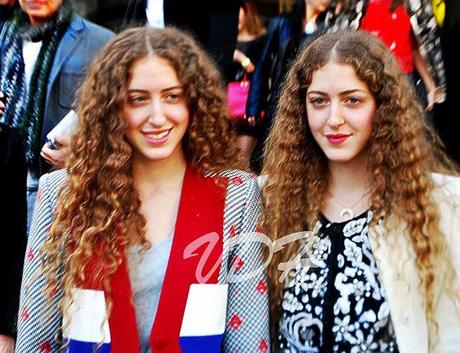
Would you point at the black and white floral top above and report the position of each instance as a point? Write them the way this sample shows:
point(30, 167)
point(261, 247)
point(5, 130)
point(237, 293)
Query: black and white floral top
point(338, 304)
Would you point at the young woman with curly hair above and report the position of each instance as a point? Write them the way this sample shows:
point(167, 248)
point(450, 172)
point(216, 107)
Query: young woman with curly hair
point(351, 160)
point(130, 246)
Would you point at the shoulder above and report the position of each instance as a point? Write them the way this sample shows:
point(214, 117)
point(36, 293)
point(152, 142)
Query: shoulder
point(447, 187)
point(84, 26)
point(51, 184)
point(239, 178)
point(446, 195)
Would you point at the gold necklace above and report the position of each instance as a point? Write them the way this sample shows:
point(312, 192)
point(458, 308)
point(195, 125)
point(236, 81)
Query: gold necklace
point(346, 212)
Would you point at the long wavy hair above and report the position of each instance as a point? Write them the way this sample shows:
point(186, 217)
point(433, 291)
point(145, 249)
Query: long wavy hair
point(402, 149)
point(98, 208)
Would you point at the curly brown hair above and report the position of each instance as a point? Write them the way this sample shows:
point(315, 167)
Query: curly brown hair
point(403, 150)
point(98, 209)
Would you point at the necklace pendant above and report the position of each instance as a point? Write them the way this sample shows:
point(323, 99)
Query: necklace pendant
point(347, 213)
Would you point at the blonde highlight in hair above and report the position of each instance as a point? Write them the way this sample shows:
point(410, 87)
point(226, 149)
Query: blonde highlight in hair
point(98, 208)
point(403, 150)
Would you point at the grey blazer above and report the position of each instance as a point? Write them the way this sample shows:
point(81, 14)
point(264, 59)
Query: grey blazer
point(79, 45)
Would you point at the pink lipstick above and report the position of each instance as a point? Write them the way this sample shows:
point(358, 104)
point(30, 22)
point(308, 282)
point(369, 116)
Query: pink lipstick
point(336, 139)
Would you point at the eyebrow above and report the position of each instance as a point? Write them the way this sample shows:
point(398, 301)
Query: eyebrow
point(341, 93)
point(167, 89)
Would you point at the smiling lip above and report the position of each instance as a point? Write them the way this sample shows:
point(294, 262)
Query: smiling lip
point(157, 138)
point(35, 5)
point(336, 139)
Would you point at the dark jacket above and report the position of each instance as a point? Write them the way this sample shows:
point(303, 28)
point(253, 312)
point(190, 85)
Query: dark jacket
point(13, 218)
point(79, 45)
point(214, 23)
point(270, 68)
point(284, 39)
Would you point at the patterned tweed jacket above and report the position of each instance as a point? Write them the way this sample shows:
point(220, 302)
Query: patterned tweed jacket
point(181, 323)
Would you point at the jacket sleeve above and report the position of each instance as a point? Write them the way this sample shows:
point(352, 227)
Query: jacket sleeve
point(247, 327)
point(447, 305)
point(259, 90)
point(39, 320)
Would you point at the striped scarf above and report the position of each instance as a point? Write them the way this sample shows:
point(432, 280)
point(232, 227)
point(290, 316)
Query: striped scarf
point(25, 106)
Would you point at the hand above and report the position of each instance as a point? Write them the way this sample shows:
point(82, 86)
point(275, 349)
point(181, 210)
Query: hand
point(244, 61)
point(6, 344)
point(2, 103)
point(434, 96)
point(247, 65)
point(58, 156)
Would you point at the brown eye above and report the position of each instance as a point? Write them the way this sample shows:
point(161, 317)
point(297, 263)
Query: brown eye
point(173, 97)
point(137, 100)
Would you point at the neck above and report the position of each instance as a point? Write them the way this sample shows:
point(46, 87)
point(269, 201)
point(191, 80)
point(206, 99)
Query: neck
point(349, 178)
point(160, 174)
point(244, 35)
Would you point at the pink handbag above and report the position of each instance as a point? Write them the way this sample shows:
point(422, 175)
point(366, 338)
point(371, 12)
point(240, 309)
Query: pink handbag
point(237, 96)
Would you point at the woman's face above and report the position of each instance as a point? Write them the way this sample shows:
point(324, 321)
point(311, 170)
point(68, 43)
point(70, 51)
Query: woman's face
point(340, 110)
point(156, 110)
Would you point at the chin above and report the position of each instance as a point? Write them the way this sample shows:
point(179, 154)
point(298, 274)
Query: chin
point(154, 155)
point(339, 158)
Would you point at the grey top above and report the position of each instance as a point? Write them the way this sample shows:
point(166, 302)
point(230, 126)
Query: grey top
point(147, 271)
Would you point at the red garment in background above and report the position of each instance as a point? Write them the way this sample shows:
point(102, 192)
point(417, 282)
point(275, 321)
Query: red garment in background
point(393, 28)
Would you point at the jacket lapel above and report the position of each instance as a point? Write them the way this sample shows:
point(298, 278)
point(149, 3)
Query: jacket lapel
point(67, 44)
point(201, 212)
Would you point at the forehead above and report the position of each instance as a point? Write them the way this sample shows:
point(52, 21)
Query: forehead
point(152, 72)
point(336, 78)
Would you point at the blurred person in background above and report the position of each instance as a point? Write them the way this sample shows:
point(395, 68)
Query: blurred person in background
point(417, 30)
point(214, 23)
point(249, 47)
point(45, 49)
point(286, 33)
point(390, 21)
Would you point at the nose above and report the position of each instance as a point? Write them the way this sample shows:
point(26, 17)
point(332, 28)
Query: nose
point(335, 116)
point(156, 114)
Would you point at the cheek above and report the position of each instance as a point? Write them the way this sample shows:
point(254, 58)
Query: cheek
point(368, 119)
point(134, 118)
point(179, 114)
point(315, 120)
point(363, 121)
